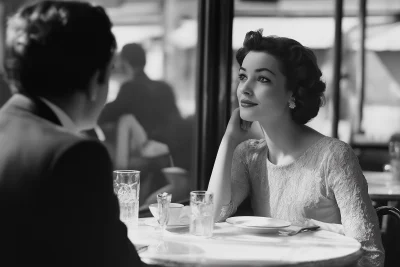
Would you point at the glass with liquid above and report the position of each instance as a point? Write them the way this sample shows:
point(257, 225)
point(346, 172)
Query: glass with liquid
point(126, 187)
point(202, 208)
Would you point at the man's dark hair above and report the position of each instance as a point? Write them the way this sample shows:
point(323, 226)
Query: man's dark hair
point(54, 48)
point(134, 54)
point(299, 65)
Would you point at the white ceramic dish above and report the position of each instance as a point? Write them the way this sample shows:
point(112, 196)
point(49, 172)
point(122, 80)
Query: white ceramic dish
point(174, 213)
point(256, 224)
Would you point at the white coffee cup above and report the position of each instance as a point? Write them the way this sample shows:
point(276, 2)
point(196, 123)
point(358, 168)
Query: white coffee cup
point(174, 213)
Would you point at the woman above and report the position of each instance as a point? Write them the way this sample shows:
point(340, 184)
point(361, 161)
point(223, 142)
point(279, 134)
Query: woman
point(294, 173)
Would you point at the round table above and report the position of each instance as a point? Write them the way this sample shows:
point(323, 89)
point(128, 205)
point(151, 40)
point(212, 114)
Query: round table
point(382, 187)
point(232, 246)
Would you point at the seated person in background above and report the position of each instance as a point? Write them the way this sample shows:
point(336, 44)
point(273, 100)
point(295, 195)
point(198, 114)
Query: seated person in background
point(57, 203)
point(294, 173)
point(152, 103)
point(153, 107)
point(135, 151)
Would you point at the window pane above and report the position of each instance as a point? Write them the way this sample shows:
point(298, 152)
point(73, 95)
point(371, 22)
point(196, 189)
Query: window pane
point(313, 26)
point(149, 120)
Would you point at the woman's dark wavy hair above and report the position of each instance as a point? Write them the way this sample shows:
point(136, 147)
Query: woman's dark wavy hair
point(299, 65)
point(54, 48)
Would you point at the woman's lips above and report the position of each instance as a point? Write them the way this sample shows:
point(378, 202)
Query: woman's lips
point(247, 104)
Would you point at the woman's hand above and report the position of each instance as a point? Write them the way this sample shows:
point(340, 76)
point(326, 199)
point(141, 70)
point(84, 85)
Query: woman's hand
point(236, 134)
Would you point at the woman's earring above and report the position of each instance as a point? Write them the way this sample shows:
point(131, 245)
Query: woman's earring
point(292, 103)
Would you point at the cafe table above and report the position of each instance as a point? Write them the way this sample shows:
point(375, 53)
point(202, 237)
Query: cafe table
point(232, 246)
point(382, 187)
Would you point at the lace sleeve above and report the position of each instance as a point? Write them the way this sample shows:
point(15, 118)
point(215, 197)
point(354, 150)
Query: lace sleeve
point(358, 216)
point(239, 181)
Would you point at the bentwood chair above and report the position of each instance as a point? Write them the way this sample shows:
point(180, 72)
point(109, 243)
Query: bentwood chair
point(387, 210)
point(390, 231)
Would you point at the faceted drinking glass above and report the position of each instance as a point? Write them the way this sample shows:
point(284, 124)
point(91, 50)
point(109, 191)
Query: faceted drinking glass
point(127, 187)
point(201, 218)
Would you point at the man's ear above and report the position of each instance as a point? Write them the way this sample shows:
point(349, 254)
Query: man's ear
point(101, 78)
point(105, 73)
point(93, 86)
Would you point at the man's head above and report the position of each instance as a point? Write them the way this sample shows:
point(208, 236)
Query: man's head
point(58, 49)
point(134, 55)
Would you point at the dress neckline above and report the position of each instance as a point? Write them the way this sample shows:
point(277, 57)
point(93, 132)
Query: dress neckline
point(299, 158)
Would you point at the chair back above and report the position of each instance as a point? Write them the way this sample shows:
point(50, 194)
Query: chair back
point(390, 231)
point(387, 210)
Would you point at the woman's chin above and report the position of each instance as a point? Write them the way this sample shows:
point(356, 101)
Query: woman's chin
point(246, 116)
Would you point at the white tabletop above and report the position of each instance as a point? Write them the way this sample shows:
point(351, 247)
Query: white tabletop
point(382, 186)
point(231, 246)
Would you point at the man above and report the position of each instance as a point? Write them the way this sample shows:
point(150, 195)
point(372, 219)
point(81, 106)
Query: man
point(152, 103)
point(138, 93)
point(57, 206)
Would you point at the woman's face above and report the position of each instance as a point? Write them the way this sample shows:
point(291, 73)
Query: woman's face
point(261, 92)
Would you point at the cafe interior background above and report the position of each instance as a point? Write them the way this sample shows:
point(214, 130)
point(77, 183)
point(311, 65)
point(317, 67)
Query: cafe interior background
point(191, 45)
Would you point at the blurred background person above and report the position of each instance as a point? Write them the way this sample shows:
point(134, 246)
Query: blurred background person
point(148, 105)
point(139, 95)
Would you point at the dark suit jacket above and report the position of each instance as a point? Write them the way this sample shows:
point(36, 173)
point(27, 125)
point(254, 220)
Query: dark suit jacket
point(57, 206)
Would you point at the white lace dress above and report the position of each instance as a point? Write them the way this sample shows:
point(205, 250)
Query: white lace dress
point(325, 183)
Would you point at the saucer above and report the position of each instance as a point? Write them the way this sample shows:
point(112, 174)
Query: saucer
point(153, 222)
point(256, 224)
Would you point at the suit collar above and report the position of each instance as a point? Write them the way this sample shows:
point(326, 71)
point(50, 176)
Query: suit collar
point(63, 117)
point(33, 105)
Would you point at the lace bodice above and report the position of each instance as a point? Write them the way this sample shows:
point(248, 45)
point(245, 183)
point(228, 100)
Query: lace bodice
point(325, 183)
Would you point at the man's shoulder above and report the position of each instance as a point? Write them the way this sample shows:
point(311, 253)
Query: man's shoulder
point(36, 128)
point(81, 150)
point(37, 136)
point(161, 83)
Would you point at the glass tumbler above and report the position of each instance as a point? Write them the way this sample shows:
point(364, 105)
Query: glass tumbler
point(394, 153)
point(127, 187)
point(201, 218)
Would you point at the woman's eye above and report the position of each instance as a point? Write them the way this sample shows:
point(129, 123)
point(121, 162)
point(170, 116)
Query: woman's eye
point(242, 77)
point(264, 80)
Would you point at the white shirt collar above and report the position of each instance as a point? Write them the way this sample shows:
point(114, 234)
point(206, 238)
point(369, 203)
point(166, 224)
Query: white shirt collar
point(65, 120)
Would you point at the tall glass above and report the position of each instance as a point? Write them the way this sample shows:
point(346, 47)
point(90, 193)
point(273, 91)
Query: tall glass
point(202, 208)
point(163, 201)
point(127, 187)
point(394, 153)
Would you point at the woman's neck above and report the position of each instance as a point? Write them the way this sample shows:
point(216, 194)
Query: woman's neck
point(283, 138)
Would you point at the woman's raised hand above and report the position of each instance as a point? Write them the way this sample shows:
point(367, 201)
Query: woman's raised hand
point(236, 134)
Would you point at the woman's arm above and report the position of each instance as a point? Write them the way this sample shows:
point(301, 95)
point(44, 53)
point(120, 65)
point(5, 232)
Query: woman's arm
point(220, 181)
point(358, 216)
point(230, 188)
